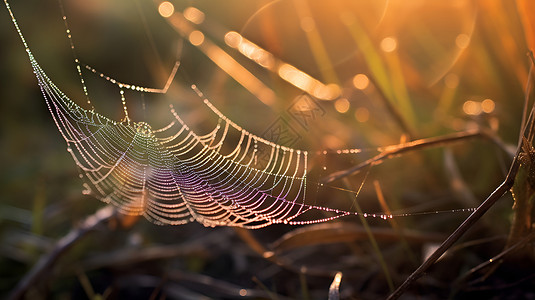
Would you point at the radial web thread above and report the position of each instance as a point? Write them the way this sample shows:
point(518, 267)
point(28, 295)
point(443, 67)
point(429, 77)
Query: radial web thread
point(173, 175)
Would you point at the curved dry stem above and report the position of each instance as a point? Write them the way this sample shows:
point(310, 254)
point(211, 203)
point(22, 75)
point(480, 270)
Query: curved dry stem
point(41, 268)
point(527, 130)
point(395, 150)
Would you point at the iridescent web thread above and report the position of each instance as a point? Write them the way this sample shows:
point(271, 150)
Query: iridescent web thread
point(174, 176)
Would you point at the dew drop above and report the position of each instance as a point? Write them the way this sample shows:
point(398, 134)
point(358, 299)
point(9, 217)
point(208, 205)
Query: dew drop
point(87, 189)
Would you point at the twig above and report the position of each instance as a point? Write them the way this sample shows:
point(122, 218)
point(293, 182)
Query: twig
point(406, 147)
point(467, 224)
point(46, 262)
point(334, 289)
point(219, 288)
point(498, 257)
point(272, 256)
point(506, 185)
point(132, 256)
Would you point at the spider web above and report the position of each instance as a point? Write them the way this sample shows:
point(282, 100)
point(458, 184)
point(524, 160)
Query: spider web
point(172, 175)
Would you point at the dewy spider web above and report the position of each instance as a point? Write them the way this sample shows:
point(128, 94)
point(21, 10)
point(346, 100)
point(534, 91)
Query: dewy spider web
point(174, 176)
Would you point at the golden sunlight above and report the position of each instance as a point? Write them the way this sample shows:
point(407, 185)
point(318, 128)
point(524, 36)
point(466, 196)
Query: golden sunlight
point(233, 39)
point(307, 83)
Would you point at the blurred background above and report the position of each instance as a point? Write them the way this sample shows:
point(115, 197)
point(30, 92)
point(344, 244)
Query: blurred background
point(307, 74)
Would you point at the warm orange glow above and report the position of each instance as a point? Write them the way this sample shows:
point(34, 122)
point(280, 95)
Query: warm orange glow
point(196, 38)
point(326, 92)
point(286, 71)
point(337, 278)
point(389, 44)
point(342, 105)
point(194, 15)
point(250, 50)
point(332, 142)
point(361, 81)
point(296, 77)
point(243, 292)
point(166, 9)
point(233, 39)
point(308, 24)
point(362, 114)
point(488, 106)
point(306, 83)
point(472, 107)
point(223, 60)
point(462, 41)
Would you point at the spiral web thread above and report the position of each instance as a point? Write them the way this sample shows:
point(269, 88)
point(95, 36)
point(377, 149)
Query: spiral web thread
point(173, 175)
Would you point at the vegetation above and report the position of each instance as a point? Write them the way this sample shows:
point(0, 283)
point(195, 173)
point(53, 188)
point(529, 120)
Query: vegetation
point(446, 83)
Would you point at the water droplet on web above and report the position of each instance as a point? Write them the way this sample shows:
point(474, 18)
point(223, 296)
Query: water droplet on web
point(116, 163)
point(87, 189)
point(144, 129)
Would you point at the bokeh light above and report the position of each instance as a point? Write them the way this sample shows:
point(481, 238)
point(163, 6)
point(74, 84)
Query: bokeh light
point(471, 107)
point(166, 9)
point(194, 15)
point(233, 39)
point(389, 44)
point(342, 105)
point(462, 40)
point(196, 38)
point(488, 106)
point(361, 81)
point(362, 114)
